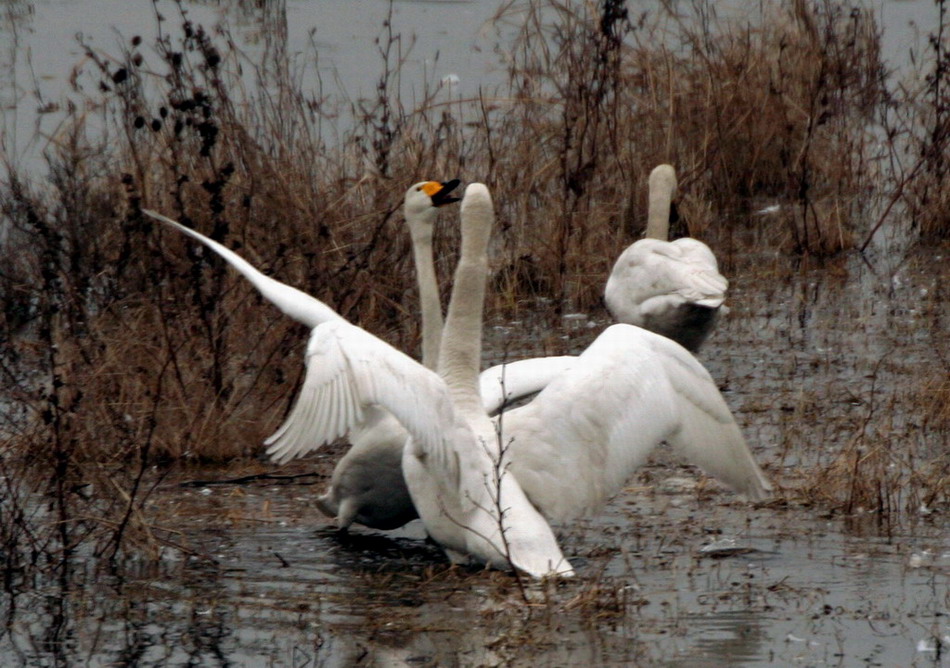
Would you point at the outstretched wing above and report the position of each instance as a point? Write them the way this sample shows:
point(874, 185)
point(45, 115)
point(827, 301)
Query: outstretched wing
point(707, 435)
point(298, 305)
point(349, 369)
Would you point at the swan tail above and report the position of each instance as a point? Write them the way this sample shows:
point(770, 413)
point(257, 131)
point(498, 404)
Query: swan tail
point(292, 302)
point(326, 505)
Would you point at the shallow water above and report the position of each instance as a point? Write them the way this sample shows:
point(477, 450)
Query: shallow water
point(275, 587)
point(676, 571)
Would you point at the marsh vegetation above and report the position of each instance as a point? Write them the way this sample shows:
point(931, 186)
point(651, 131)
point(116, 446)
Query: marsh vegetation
point(131, 360)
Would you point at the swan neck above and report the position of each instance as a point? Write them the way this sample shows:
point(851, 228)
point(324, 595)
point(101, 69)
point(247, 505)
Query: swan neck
point(429, 301)
point(662, 187)
point(460, 354)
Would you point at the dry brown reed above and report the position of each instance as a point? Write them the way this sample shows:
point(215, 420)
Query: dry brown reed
point(918, 125)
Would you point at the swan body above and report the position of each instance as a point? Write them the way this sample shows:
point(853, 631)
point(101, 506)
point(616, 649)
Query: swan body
point(673, 288)
point(457, 478)
point(576, 444)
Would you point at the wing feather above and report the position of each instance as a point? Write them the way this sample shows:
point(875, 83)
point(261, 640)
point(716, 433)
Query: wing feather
point(294, 303)
point(708, 435)
point(349, 369)
point(596, 423)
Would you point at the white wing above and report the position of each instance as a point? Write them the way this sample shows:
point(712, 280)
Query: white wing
point(707, 435)
point(505, 383)
point(578, 442)
point(698, 273)
point(348, 369)
point(298, 305)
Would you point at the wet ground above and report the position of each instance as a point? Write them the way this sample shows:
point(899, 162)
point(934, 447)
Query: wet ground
point(664, 578)
point(815, 361)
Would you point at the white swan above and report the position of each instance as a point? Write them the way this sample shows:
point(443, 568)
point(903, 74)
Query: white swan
point(461, 490)
point(466, 499)
point(367, 485)
point(672, 288)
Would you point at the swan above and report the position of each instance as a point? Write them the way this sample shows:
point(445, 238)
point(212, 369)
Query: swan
point(481, 510)
point(673, 288)
point(576, 444)
point(367, 484)
point(455, 472)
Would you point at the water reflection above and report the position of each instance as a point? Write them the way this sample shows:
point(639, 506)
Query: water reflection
point(332, 600)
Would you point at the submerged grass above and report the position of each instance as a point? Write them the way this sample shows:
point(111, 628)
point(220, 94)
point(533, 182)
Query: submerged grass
point(126, 345)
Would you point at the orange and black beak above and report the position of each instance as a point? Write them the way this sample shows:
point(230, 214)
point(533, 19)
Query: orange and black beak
point(439, 192)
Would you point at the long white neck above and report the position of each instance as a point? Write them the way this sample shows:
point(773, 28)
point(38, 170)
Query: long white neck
point(460, 354)
point(429, 301)
point(662, 186)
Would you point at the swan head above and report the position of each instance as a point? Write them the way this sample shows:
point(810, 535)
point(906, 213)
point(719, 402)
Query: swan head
point(423, 200)
point(663, 177)
point(477, 215)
